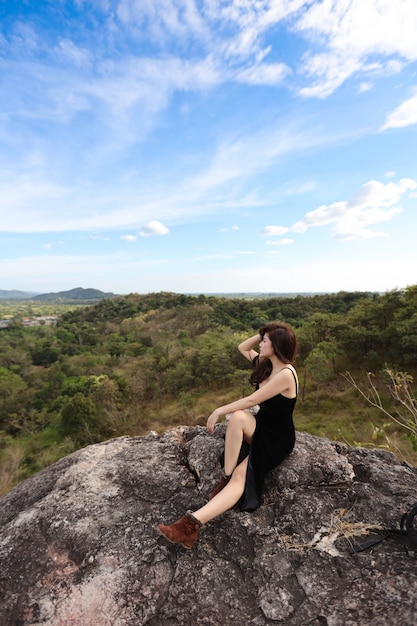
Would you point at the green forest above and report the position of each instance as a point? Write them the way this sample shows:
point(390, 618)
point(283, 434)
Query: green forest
point(139, 363)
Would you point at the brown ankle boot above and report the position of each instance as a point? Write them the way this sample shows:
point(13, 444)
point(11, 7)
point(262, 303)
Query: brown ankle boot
point(183, 531)
point(222, 484)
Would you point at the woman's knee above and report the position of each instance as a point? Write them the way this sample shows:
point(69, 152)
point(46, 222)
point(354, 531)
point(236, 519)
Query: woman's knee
point(243, 422)
point(239, 474)
point(240, 418)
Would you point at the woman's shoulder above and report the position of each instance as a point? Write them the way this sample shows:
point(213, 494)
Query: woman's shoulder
point(287, 368)
point(288, 375)
point(285, 373)
point(291, 371)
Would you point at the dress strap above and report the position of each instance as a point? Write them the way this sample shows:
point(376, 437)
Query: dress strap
point(295, 378)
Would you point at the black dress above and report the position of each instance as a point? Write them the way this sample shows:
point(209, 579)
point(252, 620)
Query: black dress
point(273, 441)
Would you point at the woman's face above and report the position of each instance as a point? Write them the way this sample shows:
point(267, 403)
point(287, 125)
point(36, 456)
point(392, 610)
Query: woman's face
point(266, 349)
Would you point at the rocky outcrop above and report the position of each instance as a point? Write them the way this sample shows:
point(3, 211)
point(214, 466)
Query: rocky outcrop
point(78, 544)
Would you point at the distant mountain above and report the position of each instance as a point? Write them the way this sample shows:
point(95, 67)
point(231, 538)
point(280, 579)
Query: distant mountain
point(77, 295)
point(15, 294)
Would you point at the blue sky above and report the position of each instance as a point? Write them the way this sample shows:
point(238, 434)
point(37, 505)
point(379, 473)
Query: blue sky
point(203, 146)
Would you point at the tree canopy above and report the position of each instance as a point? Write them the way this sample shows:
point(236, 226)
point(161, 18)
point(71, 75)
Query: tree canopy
point(103, 369)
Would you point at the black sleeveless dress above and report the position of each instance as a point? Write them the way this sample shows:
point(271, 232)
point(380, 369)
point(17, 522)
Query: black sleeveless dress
point(272, 442)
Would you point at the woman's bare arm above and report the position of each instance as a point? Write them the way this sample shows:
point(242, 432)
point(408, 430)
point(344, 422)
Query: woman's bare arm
point(279, 383)
point(246, 348)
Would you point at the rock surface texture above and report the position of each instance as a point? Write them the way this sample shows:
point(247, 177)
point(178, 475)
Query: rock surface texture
point(78, 543)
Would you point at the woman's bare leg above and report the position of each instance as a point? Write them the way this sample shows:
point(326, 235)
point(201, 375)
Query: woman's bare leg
point(241, 426)
point(185, 530)
point(226, 498)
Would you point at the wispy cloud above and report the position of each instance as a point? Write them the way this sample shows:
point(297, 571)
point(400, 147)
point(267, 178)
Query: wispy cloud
point(374, 203)
point(274, 231)
point(340, 30)
point(404, 115)
point(223, 180)
point(226, 228)
point(264, 74)
point(351, 35)
point(280, 242)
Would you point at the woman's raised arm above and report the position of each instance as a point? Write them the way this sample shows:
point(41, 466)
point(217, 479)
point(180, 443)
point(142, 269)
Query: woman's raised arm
point(247, 347)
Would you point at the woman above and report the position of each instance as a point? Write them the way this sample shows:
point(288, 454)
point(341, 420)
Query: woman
point(253, 445)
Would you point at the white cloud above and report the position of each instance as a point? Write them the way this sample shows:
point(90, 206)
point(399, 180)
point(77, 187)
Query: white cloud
point(159, 20)
point(264, 74)
point(340, 31)
point(99, 237)
point(404, 115)
point(274, 231)
point(80, 57)
point(128, 238)
point(364, 87)
point(226, 229)
point(357, 233)
point(351, 34)
point(376, 193)
point(153, 228)
point(280, 242)
point(328, 72)
point(374, 203)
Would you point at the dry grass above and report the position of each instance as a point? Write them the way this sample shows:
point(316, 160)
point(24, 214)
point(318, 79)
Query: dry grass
point(10, 462)
point(326, 537)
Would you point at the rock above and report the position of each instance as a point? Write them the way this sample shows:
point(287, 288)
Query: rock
point(78, 544)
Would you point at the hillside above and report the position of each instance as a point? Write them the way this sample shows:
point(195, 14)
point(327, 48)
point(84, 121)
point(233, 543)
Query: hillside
point(15, 294)
point(77, 295)
point(81, 380)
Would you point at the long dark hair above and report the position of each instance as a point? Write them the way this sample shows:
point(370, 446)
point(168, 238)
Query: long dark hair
point(284, 344)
